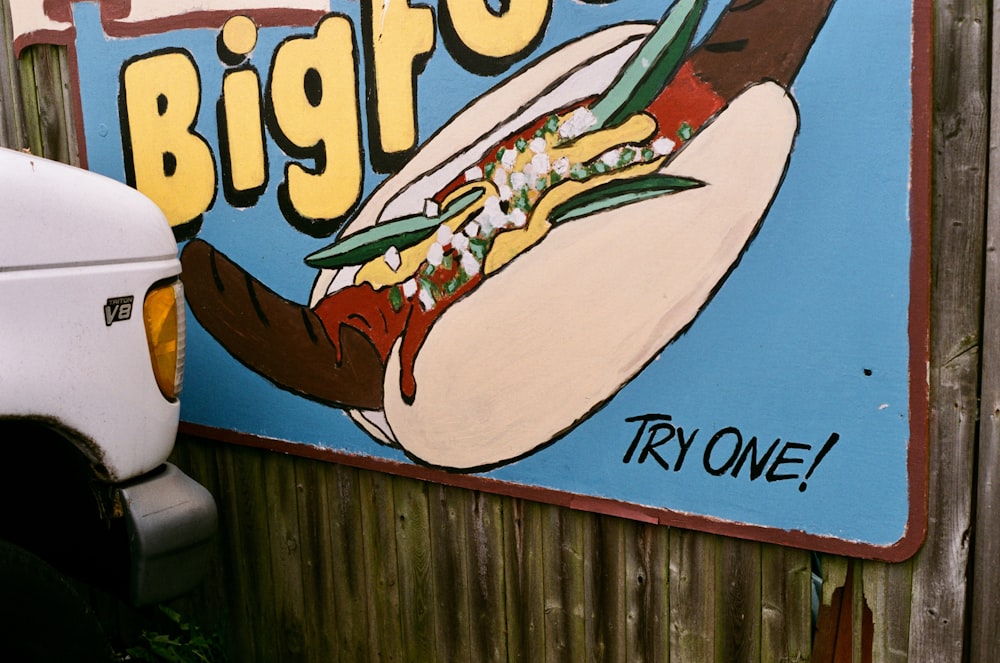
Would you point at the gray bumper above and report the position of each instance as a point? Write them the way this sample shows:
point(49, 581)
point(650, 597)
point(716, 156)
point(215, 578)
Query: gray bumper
point(171, 521)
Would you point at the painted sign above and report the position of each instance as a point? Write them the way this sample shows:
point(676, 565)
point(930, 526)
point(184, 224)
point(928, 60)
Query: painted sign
point(667, 261)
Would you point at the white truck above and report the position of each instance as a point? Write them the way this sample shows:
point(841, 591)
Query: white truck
point(91, 363)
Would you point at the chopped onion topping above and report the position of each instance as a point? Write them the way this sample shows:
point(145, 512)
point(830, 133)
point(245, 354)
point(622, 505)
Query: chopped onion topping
point(426, 299)
point(469, 263)
point(392, 258)
point(460, 242)
point(581, 120)
point(508, 159)
point(431, 208)
point(518, 218)
point(435, 254)
point(492, 215)
point(444, 235)
point(540, 164)
point(500, 176)
point(663, 146)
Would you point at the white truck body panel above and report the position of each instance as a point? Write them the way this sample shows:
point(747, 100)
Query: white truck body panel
point(97, 220)
point(62, 258)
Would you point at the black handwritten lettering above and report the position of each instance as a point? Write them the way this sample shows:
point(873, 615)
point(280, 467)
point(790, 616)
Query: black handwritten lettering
point(832, 440)
point(756, 465)
point(728, 451)
point(685, 445)
point(653, 442)
point(644, 419)
point(657, 430)
point(707, 460)
point(772, 473)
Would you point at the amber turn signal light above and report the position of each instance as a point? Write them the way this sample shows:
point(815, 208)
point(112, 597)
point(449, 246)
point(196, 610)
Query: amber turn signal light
point(163, 314)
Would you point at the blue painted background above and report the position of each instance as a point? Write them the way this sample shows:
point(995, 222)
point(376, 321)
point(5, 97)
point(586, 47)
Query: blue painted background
point(782, 351)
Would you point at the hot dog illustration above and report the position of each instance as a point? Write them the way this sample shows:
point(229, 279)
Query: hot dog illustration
point(544, 246)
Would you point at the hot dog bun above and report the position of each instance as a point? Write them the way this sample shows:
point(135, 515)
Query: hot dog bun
point(547, 340)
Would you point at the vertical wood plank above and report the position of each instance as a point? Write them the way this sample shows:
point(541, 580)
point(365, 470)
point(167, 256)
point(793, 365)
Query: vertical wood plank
point(961, 69)
point(379, 535)
point(739, 596)
point(48, 95)
point(240, 639)
point(692, 595)
point(862, 620)
point(30, 113)
point(785, 603)
point(525, 581)
point(69, 101)
point(454, 621)
point(314, 526)
point(984, 639)
point(887, 589)
point(50, 100)
point(633, 578)
point(834, 573)
point(648, 562)
point(35, 97)
point(280, 487)
point(11, 123)
point(557, 618)
point(51, 107)
point(486, 588)
point(251, 559)
point(347, 558)
point(591, 582)
point(413, 557)
point(608, 614)
point(571, 581)
point(833, 627)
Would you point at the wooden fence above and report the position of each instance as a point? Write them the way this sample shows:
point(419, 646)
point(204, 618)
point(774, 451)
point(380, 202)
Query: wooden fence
point(322, 562)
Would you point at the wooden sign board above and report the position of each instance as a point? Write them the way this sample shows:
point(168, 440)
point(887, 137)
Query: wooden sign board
point(670, 263)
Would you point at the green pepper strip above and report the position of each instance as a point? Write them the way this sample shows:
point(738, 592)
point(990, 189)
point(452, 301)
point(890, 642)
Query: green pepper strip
point(651, 67)
point(620, 192)
point(402, 233)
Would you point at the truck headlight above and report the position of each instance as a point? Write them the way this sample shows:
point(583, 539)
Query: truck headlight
point(163, 314)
